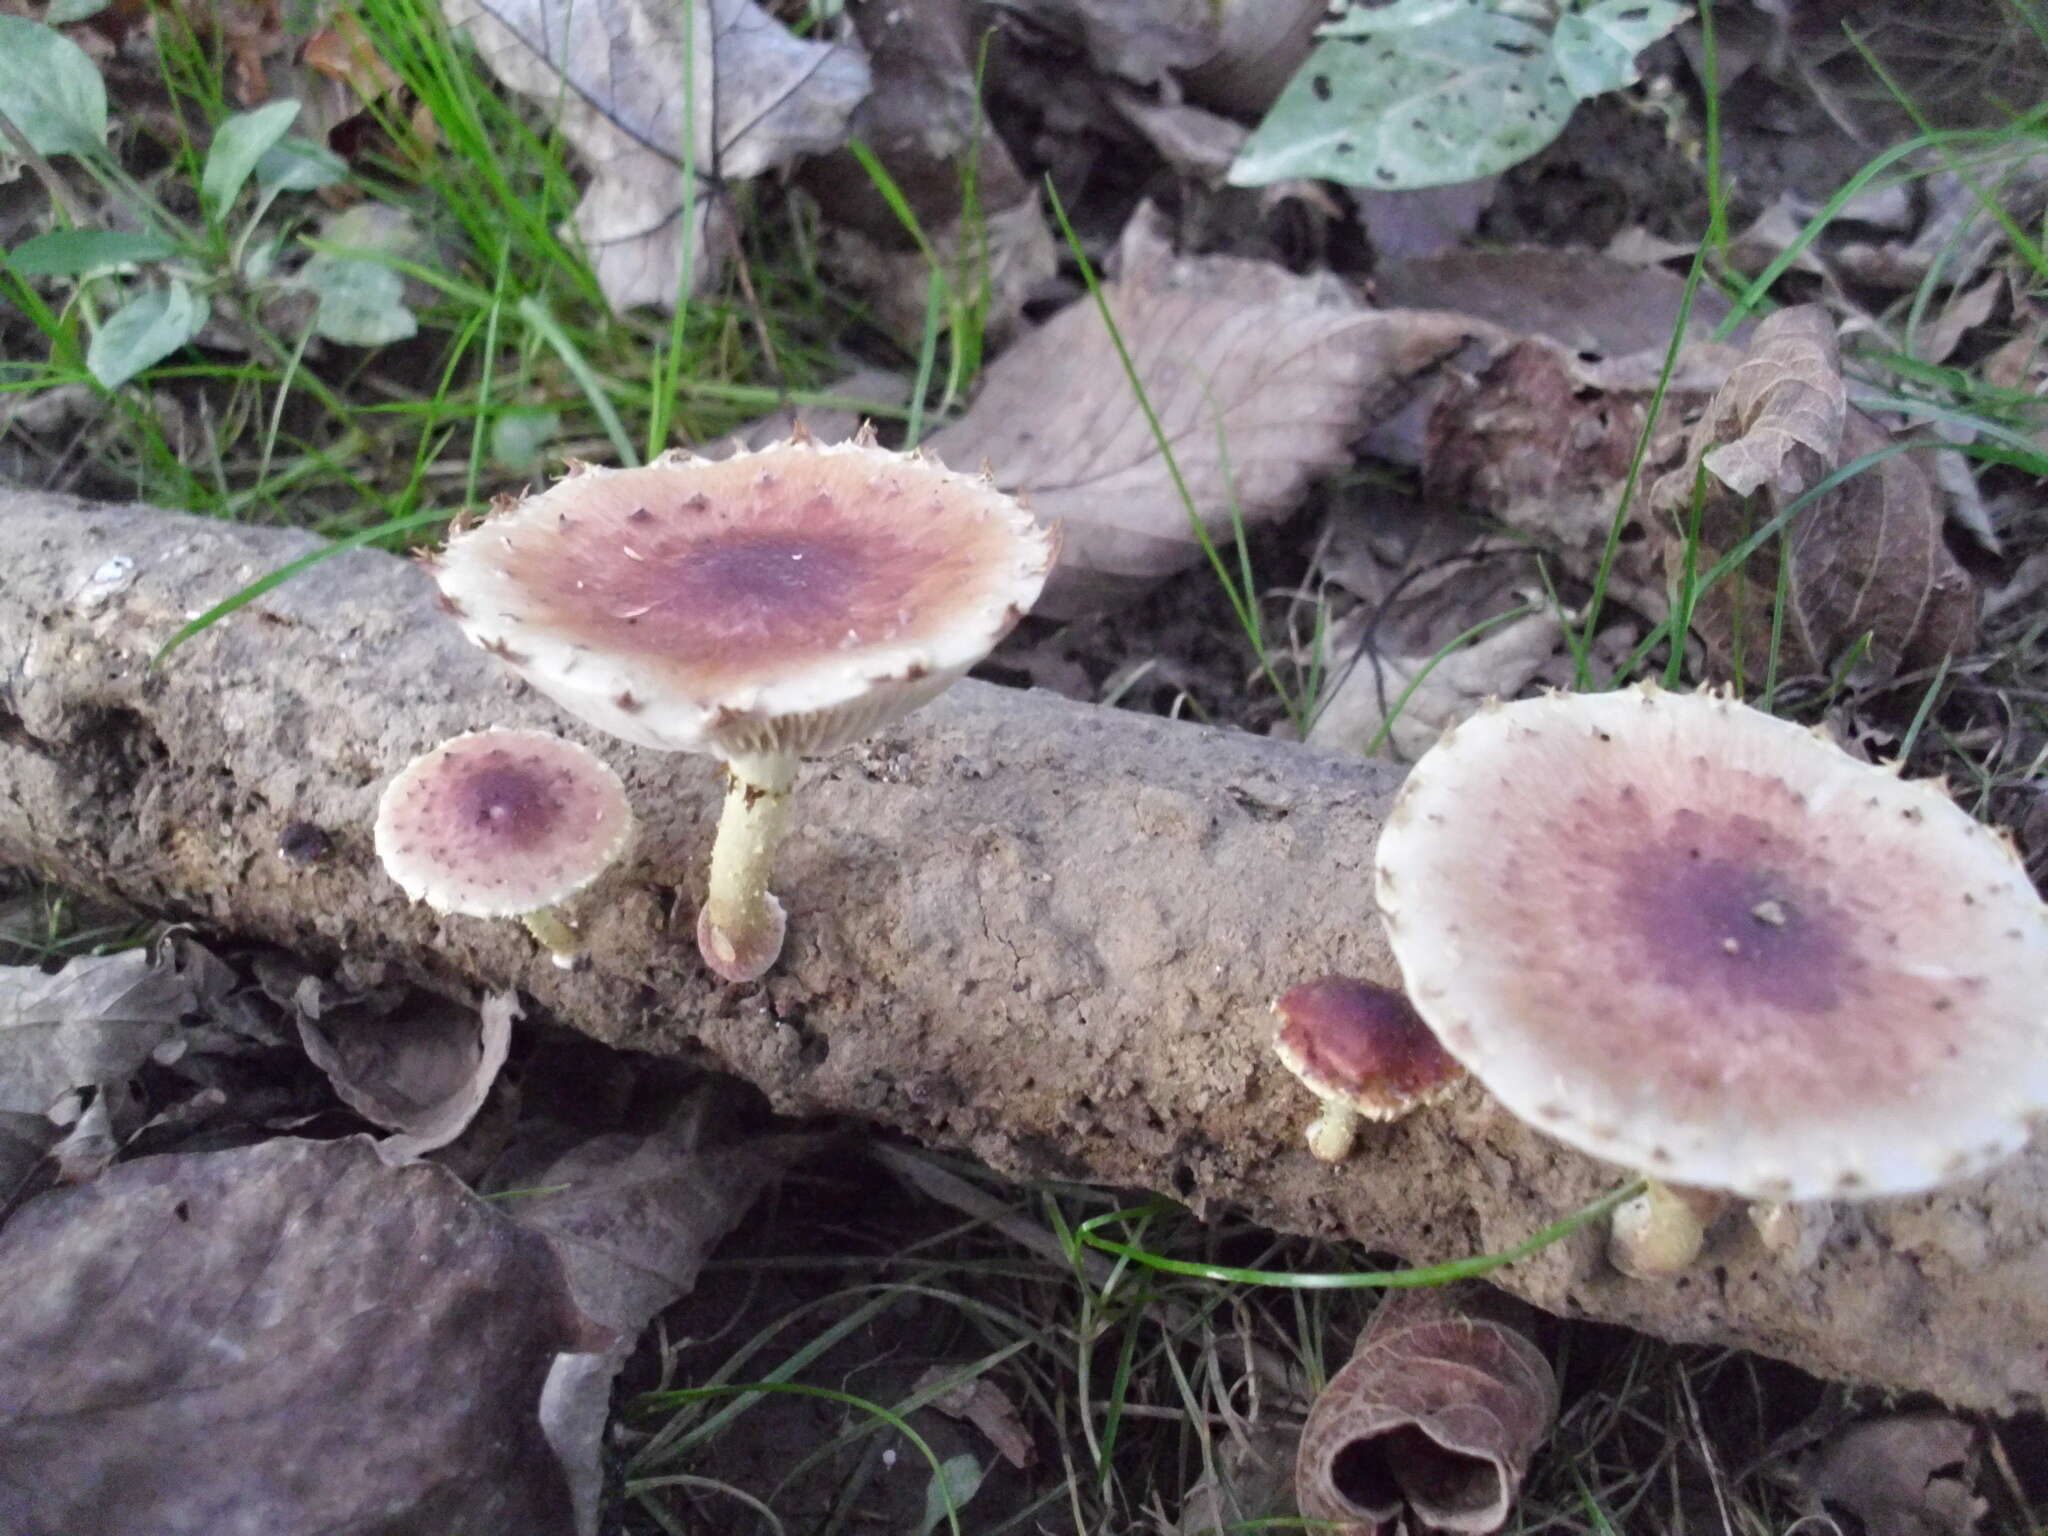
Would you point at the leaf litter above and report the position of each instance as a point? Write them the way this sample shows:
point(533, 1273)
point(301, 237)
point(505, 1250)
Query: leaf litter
point(1259, 380)
point(761, 95)
point(376, 1337)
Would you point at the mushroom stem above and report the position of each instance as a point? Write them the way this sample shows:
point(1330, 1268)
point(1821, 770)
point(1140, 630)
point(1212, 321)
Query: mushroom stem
point(556, 936)
point(1661, 1231)
point(1332, 1132)
point(740, 930)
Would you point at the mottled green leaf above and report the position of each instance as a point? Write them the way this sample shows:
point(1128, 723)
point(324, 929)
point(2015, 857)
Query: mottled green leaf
point(69, 252)
point(299, 165)
point(362, 303)
point(1596, 45)
point(50, 89)
point(238, 144)
point(957, 1480)
point(1430, 104)
point(143, 332)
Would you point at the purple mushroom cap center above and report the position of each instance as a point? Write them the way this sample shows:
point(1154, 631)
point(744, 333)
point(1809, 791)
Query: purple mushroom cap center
point(1709, 907)
point(508, 804)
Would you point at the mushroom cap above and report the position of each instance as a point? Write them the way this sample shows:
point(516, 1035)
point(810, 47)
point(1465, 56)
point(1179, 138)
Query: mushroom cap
point(501, 823)
point(785, 601)
point(1362, 1045)
point(1702, 942)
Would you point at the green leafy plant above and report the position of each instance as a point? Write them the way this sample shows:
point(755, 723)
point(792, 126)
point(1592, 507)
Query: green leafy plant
point(145, 293)
point(1425, 93)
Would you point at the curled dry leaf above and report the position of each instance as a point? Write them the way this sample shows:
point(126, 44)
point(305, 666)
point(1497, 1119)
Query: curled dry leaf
point(1441, 1406)
point(1542, 440)
point(374, 1338)
point(762, 97)
point(1907, 1475)
point(422, 1070)
point(1864, 565)
point(1259, 379)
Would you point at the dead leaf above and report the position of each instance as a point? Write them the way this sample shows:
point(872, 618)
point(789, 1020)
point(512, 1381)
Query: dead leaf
point(1542, 440)
point(1587, 303)
point(1373, 686)
point(1965, 310)
point(1441, 1406)
point(94, 1021)
point(1197, 143)
point(286, 1338)
point(762, 96)
point(1249, 1486)
point(988, 1408)
point(1139, 40)
point(1010, 250)
point(1259, 378)
point(1902, 1476)
point(1864, 564)
point(422, 1071)
point(633, 1219)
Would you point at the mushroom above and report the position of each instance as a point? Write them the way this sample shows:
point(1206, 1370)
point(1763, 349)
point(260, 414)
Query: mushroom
point(1699, 941)
point(759, 608)
point(1364, 1051)
point(504, 824)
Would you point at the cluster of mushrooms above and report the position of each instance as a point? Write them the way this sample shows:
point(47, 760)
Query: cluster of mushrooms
point(760, 608)
point(1673, 931)
point(1703, 943)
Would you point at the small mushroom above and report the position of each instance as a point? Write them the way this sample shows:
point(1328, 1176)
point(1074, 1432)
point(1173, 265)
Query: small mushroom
point(1364, 1051)
point(1699, 941)
point(504, 824)
point(1661, 1231)
point(758, 608)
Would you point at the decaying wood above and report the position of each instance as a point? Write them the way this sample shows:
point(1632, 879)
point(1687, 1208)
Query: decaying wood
point(1041, 931)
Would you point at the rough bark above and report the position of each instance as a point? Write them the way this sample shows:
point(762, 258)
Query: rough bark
point(1044, 932)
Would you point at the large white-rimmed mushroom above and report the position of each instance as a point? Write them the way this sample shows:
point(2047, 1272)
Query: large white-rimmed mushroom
point(504, 824)
point(760, 608)
point(1702, 942)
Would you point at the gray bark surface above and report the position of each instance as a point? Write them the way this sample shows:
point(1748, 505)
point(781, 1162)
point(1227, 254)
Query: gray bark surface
point(1043, 932)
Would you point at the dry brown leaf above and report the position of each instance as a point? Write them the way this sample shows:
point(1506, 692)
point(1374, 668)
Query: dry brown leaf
point(1543, 438)
point(762, 95)
point(1586, 302)
point(96, 1020)
point(988, 1408)
point(1374, 687)
point(1260, 379)
point(422, 1071)
point(287, 1338)
point(633, 1218)
point(1901, 1476)
point(1863, 564)
point(1441, 1406)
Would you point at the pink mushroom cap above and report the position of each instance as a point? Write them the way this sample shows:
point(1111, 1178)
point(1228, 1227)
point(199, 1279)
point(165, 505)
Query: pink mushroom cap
point(1705, 943)
point(788, 600)
point(501, 823)
point(1363, 1045)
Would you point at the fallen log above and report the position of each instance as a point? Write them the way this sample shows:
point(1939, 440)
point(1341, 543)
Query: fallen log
point(1044, 932)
